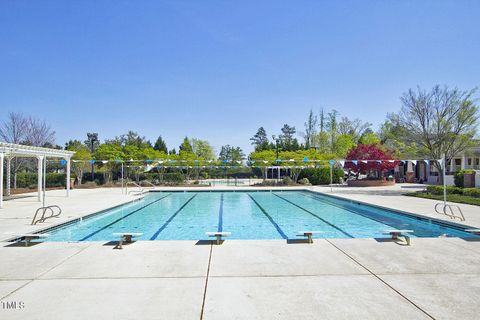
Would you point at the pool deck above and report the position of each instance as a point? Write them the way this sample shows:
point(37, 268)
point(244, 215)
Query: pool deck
point(434, 278)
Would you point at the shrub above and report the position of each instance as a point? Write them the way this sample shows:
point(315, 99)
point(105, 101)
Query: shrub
point(287, 181)
point(472, 192)
point(304, 181)
point(438, 190)
point(29, 180)
point(318, 176)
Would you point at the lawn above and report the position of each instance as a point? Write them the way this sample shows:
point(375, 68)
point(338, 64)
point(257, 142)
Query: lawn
point(459, 198)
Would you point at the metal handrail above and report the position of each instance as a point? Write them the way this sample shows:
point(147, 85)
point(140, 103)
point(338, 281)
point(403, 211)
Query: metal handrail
point(452, 215)
point(140, 188)
point(45, 209)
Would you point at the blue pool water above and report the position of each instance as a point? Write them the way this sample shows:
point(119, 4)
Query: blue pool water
point(247, 215)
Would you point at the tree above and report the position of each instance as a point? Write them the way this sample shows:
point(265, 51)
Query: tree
point(131, 138)
point(231, 154)
point(369, 137)
point(355, 128)
point(80, 158)
point(186, 146)
point(332, 125)
point(343, 144)
point(203, 149)
point(372, 152)
point(39, 133)
point(288, 142)
point(260, 140)
point(310, 129)
point(14, 130)
point(440, 122)
point(160, 145)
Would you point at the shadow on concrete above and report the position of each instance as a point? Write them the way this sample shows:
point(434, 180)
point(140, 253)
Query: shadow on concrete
point(208, 242)
point(22, 244)
point(298, 241)
point(471, 239)
point(388, 240)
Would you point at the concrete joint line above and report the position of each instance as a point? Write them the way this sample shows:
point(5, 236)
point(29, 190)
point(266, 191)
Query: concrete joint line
point(383, 281)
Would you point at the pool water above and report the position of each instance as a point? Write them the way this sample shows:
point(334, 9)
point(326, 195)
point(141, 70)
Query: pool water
point(247, 215)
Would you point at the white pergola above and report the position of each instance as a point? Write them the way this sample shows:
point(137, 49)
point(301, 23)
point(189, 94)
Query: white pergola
point(8, 151)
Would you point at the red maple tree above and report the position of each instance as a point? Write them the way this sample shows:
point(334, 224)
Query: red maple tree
point(377, 160)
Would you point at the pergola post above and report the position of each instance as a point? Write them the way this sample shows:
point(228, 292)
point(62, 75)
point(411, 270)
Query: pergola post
point(68, 176)
point(1, 180)
point(9, 162)
point(40, 177)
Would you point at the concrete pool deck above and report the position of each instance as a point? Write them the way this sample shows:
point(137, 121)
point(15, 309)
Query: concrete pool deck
point(242, 279)
point(434, 278)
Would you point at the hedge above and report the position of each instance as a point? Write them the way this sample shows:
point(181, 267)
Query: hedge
point(470, 192)
point(439, 190)
point(318, 176)
point(29, 180)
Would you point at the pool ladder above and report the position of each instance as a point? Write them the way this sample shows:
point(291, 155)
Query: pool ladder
point(140, 189)
point(451, 208)
point(45, 209)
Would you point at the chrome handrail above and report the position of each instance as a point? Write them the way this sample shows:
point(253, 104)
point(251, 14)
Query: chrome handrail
point(452, 215)
point(43, 217)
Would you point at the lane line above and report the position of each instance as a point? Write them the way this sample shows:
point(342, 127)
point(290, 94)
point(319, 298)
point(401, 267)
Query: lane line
point(155, 235)
point(316, 216)
point(121, 218)
point(220, 215)
point(279, 230)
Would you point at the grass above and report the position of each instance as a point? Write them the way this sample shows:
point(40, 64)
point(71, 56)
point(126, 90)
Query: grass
point(458, 198)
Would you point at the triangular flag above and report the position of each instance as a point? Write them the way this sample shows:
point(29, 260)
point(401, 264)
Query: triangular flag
point(104, 161)
point(355, 162)
point(427, 162)
point(414, 162)
point(342, 162)
point(363, 161)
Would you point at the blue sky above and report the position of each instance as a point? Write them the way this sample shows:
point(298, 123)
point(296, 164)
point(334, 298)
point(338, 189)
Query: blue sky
point(218, 70)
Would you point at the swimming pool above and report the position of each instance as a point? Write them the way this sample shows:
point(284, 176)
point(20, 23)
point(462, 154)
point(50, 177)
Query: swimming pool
point(247, 215)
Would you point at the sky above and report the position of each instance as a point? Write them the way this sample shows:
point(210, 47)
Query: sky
point(218, 70)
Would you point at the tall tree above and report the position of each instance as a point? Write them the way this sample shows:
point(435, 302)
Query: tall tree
point(14, 130)
point(442, 121)
point(355, 128)
point(260, 140)
point(332, 125)
point(310, 129)
point(186, 146)
point(160, 145)
point(203, 149)
point(39, 133)
point(230, 153)
point(288, 142)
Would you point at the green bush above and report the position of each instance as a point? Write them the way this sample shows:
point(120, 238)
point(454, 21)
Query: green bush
point(472, 192)
point(29, 180)
point(318, 176)
point(438, 190)
point(304, 181)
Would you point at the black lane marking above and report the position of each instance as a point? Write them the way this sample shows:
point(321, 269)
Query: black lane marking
point(120, 219)
point(155, 235)
point(317, 198)
point(220, 215)
point(316, 216)
point(279, 230)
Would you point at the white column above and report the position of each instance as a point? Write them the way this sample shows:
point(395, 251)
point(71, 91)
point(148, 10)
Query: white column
point(68, 177)
point(1, 180)
point(40, 176)
point(9, 161)
point(464, 162)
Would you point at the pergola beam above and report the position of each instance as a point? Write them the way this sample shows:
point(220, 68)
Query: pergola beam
point(10, 150)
